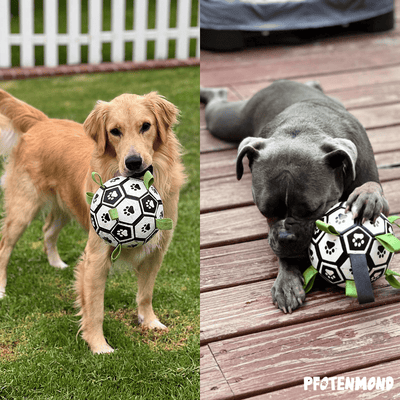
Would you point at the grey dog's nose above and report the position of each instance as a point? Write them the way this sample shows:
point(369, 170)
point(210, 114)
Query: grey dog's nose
point(133, 163)
point(285, 236)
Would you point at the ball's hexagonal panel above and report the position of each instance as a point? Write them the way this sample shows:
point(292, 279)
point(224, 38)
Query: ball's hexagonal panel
point(108, 238)
point(379, 255)
point(134, 188)
point(129, 211)
point(94, 221)
point(330, 248)
point(123, 232)
point(154, 192)
point(377, 272)
point(357, 240)
point(145, 228)
point(331, 273)
point(160, 211)
point(337, 217)
point(104, 220)
point(96, 201)
point(380, 226)
point(345, 269)
point(312, 254)
point(149, 204)
point(113, 196)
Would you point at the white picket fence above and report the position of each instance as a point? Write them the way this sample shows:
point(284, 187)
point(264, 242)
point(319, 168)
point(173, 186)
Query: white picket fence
point(94, 39)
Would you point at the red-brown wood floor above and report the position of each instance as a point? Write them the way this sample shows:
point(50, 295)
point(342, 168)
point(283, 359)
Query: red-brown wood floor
point(249, 349)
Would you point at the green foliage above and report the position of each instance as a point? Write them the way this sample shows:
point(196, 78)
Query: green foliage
point(40, 353)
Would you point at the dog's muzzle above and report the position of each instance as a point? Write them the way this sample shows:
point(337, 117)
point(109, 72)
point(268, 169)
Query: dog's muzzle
point(135, 167)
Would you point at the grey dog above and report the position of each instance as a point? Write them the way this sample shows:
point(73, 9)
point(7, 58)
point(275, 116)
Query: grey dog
point(306, 152)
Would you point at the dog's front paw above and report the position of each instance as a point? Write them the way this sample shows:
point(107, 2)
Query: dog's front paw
point(287, 291)
point(152, 324)
point(103, 349)
point(367, 201)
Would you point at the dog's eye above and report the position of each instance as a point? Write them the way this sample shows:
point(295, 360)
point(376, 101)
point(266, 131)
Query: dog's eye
point(116, 132)
point(145, 127)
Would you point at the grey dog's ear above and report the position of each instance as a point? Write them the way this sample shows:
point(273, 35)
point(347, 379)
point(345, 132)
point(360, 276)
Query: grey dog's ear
point(341, 153)
point(251, 147)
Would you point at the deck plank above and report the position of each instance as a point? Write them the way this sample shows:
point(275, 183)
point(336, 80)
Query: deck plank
point(248, 308)
point(384, 370)
point(272, 360)
point(297, 66)
point(340, 45)
point(213, 385)
point(237, 264)
point(237, 193)
point(335, 82)
point(231, 226)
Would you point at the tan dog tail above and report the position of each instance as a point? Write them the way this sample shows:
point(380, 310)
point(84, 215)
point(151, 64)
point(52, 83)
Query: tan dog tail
point(22, 115)
point(16, 118)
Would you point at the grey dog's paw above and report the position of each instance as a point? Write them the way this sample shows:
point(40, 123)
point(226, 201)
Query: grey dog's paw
point(287, 291)
point(209, 94)
point(367, 201)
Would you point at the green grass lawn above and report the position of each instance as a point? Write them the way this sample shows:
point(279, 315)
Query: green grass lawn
point(40, 355)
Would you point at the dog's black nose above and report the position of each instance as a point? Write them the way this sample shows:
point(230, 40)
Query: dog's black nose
point(133, 163)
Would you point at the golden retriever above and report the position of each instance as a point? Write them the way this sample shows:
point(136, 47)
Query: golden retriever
point(50, 162)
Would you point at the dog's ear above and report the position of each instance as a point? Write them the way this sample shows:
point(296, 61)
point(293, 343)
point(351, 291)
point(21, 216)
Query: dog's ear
point(341, 153)
point(95, 125)
point(165, 112)
point(251, 147)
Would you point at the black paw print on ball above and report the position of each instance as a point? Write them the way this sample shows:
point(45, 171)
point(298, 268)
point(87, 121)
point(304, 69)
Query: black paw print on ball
point(129, 210)
point(340, 219)
point(105, 218)
point(381, 252)
point(146, 228)
point(330, 247)
point(135, 186)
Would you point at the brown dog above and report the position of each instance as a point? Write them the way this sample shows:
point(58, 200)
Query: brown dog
point(50, 164)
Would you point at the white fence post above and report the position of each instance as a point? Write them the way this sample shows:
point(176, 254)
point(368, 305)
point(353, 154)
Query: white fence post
point(26, 29)
point(74, 30)
point(5, 46)
point(95, 24)
point(51, 31)
point(184, 8)
point(139, 27)
point(74, 38)
point(117, 28)
point(163, 10)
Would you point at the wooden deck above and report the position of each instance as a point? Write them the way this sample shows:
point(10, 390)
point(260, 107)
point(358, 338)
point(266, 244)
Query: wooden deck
point(249, 349)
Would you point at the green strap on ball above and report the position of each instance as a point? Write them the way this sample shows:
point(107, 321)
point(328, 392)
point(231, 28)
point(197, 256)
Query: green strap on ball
point(389, 276)
point(323, 226)
point(148, 179)
point(89, 197)
point(164, 224)
point(116, 253)
point(394, 218)
point(389, 242)
point(309, 277)
point(351, 290)
point(310, 273)
point(100, 182)
point(113, 213)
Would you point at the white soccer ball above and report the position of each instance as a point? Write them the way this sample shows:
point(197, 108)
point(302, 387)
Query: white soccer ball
point(137, 209)
point(329, 254)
